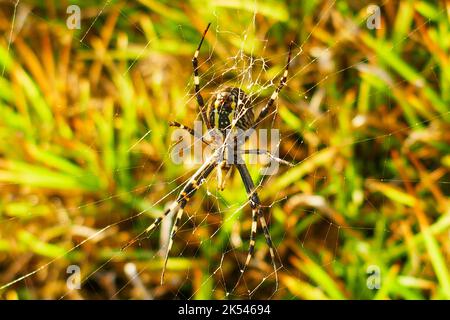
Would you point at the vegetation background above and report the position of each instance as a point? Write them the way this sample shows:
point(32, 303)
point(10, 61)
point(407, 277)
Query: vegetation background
point(85, 143)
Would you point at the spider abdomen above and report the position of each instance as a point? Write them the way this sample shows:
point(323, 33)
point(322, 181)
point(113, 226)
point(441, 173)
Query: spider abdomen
point(228, 105)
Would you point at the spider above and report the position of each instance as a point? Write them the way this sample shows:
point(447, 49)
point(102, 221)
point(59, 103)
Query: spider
point(228, 109)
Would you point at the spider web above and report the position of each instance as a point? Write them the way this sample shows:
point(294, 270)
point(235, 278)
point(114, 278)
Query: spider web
point(211, 244)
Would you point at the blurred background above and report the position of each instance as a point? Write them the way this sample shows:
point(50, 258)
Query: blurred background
point(86, 93)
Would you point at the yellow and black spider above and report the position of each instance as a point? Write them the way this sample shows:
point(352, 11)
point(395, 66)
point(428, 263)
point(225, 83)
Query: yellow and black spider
point(228, 109)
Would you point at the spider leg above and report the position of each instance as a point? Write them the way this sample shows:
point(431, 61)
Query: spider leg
point(173, 232)
point(257, 213)
point(194, 183)
point(272, 99)
point(186, 194)
point(154, 225)
point(197, 80)
point(270, 155)
point(189, 130)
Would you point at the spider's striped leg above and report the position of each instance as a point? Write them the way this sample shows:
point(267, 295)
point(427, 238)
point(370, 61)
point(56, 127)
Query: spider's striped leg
point(183, 127)
point(154, 225)
point(270, 155)
point(173, 232)
point(257, 212)
point(251, 248)
point(185, 195)
point(189, 130)
point(197, 80)
point(274, 96)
